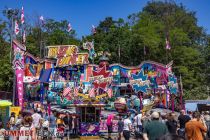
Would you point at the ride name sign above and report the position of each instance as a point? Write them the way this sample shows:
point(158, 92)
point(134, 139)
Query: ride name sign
point(67, 55)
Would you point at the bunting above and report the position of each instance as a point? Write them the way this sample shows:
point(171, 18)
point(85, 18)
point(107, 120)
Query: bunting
point(17, 30)
point(41, 18)
point(93, 30)
point(69, 27)
point(92, 92)
point(22, 16)
point(24, 36)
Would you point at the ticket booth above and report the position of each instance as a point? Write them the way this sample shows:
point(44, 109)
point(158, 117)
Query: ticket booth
point(89, 119)
point(4, 111)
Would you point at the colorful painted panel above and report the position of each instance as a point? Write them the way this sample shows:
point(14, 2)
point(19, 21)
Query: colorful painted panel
point(89, 129)
point(18, 66)
point(67, 55)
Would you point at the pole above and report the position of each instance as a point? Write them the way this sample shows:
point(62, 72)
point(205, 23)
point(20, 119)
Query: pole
point(14, 76)
point(40, 43)
point(11, 38)
point(181, 92)
point(118, 50)
point(94, 50)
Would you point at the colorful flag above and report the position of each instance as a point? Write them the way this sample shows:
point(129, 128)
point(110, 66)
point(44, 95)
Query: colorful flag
point(42, 19)
point(93, 30)
point(17, 30)
point(90, 47)
point(69, 27)
point(92, 92)
point(22, 16)
point(66, 91)
point(76, 91)
point(24, 36)
point(168, 47)
point(109, 92)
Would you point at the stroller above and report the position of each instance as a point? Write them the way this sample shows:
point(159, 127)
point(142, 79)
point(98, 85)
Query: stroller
point(60, 131)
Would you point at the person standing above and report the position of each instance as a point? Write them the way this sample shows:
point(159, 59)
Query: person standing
point(207, 120)
point(27, 126)
point(182, 120)
point(109, 124)
point(137, 122)
point(12, 119)
point(171, 124)
point(74, 125)
point(127, 127)
point(196, 127)
point(120, 127)
point(52, 124)
point(155, 128)
point(36, 119)
point(2, 130)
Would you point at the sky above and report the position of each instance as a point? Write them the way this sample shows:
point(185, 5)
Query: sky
point(82, 14)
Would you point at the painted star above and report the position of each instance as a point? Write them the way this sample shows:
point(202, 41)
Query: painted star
point(19, 75)
point(105, 73)
point(143, 79)
point(19, 82)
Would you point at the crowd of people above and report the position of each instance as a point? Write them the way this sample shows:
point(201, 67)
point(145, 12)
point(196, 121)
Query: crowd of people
point(165, 126)
point(41, 125)
point(143, 126)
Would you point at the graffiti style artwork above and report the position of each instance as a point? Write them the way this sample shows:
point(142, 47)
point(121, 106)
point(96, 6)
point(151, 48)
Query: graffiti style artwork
point(89, 129)
point(173, 85)
point(18, 59)
point(67, 55)
point(90, 47)
point(18, 66)
point(101, 78)
point(140, 82)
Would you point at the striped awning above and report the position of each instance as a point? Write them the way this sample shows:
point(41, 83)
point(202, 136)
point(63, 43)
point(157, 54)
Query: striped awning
point(71, 110)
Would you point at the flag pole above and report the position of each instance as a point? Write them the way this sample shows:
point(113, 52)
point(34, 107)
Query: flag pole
point(181, 92)
point(94, 48)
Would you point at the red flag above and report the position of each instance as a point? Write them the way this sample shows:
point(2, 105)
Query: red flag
point(69, 27)
point(22, 16)
point(17, 30)
point(93, 30)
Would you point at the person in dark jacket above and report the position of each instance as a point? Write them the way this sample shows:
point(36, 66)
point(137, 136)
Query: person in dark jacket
point(171, 124)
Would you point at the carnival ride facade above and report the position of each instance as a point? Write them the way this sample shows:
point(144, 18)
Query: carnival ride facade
point(65, 78)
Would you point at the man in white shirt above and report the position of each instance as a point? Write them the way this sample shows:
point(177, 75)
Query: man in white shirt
point(137, 122)
point(36, 118)
point(127, 127)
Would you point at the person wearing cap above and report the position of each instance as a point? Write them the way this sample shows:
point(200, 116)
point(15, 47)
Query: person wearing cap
point(155, 128)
